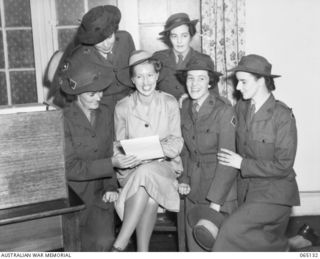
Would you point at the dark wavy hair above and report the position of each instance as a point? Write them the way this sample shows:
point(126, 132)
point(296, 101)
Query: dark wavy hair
point(156, 64)
point(165, 38)
point(213, 78)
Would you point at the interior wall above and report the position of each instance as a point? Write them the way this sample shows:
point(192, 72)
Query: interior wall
point(286, 32)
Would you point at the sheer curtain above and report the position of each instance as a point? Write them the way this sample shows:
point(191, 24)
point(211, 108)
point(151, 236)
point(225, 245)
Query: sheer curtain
point(223, 37)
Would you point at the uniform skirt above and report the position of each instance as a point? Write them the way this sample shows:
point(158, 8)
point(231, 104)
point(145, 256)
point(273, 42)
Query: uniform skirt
point(159, 180)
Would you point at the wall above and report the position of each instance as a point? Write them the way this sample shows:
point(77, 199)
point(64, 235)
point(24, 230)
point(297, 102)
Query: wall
point(287, 33)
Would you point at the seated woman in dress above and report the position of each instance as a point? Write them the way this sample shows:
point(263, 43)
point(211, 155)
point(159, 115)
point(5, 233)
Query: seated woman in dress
point(147, 185)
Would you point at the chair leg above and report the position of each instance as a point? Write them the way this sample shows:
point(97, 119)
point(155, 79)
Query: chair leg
point(181, 221)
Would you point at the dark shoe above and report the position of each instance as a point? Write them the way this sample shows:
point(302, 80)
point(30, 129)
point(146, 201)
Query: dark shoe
point(308, 233)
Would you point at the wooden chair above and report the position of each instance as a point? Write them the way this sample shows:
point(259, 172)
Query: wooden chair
point(174, 222)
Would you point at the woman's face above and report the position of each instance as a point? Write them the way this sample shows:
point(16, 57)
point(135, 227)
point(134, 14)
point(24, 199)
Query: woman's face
point(145, 78)
point(198, 83)
point(90, 100)
point(106, 45)
point(248, 84)
point(180, 38)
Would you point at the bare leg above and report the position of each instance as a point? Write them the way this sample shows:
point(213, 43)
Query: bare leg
point(146, 224)
point(134, 207)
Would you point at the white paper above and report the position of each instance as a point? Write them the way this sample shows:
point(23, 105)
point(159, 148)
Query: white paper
point(144, 148)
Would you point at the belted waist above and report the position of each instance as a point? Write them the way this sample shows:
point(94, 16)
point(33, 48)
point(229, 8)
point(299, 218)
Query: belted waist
point(202, 159)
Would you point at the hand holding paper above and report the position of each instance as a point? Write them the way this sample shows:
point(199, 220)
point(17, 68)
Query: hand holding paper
point(144, 148)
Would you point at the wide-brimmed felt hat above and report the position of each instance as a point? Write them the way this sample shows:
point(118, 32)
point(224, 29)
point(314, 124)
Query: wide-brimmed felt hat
point(254, 64)
point(176, 20)
point(78, 76)
point(98, 24)
point(200, 62)
point(205, 223)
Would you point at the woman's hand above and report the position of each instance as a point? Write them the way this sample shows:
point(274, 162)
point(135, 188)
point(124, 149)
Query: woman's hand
point(229, 158)
point(125, 161)
point(184, 188)
point(110, 197)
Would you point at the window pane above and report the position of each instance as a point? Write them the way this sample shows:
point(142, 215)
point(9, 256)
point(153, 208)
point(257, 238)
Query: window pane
point(3, 89)
point(1, 51)
point(17, 13)
point(69, 12)
point(20, 49)
point(23, 87)
point(65, 36)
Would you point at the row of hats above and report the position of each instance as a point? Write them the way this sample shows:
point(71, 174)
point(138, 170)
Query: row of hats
point(80, 76)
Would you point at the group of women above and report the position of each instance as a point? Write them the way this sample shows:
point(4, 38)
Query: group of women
point(234, 164)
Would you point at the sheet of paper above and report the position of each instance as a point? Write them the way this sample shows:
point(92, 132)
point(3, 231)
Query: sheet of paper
point(144, 148)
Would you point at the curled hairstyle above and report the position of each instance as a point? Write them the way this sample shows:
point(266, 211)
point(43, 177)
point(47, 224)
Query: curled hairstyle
point(156, 64)
point(213, 78)
point(165, 38)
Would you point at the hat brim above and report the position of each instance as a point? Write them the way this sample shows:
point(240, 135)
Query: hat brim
point(218, 74)
point(251, 70)
point(203, 237)
point(193, 22)
point(204, 212)
point(93, 38)
point(99, 85)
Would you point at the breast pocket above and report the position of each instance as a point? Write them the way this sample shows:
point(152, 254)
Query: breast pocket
point(264, 145)
point(208, 140)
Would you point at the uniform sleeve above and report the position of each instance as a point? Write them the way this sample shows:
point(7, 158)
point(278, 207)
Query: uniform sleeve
point(174, 141)
point(184, 157)
point(83, 170)
point(225, 176)
point(284, 154)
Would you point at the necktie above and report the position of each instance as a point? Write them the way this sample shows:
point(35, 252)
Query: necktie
point(251, 112)
point(195, 109)
point(180, 61)
point(110, 57)
point(92, 117)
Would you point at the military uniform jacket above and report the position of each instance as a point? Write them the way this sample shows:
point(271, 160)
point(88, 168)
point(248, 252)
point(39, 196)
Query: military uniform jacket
point(168, 81)
point(268, 147)
point(88, 154)
point(122, 48)
point(213, 128)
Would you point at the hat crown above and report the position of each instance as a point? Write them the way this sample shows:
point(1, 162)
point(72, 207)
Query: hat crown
point(177, 18)
point(256, 63)
point(138, 56)
point(200, 64)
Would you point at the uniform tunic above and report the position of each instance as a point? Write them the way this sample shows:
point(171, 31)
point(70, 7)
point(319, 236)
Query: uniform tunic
point(158, 177)
point(168, 81)
point(267, 188)
point(205, 133)
point(90, 173)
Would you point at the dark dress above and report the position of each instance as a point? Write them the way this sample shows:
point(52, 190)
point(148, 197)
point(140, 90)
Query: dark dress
point(90, 173)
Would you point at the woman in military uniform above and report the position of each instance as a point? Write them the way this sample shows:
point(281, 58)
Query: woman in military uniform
point(266, 149)
point(208, 124)
point(177, 35)
point(89, 150)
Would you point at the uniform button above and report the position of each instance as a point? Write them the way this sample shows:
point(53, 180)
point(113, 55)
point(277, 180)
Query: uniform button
point(177, 87)
point(198, 164)
point(93, 135)
point(196, 152)
point(96, 150)
point(146, 125)
point(193, 137)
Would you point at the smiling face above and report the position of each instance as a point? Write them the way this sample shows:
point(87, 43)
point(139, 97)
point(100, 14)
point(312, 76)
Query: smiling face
point(145, 78)
point(198, 84)
point(106, 45)
point(180, 38)
point(248, 84)
point(90, 100)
